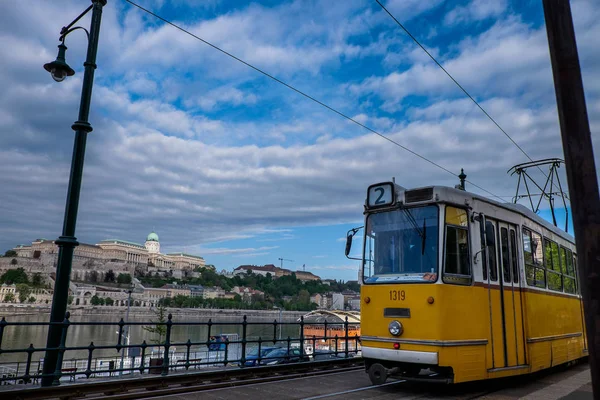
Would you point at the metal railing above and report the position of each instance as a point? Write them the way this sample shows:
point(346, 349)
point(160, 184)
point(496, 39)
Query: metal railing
point(217, 351)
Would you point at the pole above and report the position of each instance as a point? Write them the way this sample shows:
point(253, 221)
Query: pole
point(280, 326)
point(580, 168)
point(126, 332)
point(67, 241)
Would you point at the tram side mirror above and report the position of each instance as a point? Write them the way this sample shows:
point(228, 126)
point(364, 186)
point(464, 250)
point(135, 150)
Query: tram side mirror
point(348, 244)
point(349, 237)
point(490, 238)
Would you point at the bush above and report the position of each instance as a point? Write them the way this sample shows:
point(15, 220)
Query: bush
point(124, 278)
point(14, 276)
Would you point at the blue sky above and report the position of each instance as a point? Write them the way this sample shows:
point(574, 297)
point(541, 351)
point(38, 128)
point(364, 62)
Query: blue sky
point(225, 163)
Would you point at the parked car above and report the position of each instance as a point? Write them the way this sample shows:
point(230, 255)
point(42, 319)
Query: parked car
point(283, 356)
point(320, 355)
point(252, 356)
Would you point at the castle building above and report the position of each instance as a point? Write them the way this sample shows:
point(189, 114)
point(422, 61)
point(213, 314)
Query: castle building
point(116, 250)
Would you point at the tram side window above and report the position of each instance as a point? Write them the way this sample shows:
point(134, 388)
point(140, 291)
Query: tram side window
point(533, 253)
point(566, 257)
point(505, 256)
point(552, 261)
point(491, 261)
point(457, 247)
point(514, 259)
point(576, 272)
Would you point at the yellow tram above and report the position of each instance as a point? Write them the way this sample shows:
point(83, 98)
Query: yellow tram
point(457, 287)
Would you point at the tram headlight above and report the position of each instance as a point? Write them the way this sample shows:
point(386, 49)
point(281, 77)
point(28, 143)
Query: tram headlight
point(395, 328)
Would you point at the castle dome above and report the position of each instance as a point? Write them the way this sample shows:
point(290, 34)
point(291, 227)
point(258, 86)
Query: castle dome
point(152, 237)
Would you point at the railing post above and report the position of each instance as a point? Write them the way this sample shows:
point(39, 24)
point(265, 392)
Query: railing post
point(30, 351)
point(188, 344)
point(61, 350)
point(167, 345)
point(118, 347)
point(325, 335)
point(88, 371)
point(302, 336)
point(244, 331)
point(258, 355)
point(226, 351)
point(335, 339)
point(143, 356)
point(274, 331)
point(3, 323)
point(346, 329)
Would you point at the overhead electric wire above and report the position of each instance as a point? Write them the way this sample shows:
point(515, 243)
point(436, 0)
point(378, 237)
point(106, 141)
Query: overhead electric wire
point(306, 95)
point(456, 82)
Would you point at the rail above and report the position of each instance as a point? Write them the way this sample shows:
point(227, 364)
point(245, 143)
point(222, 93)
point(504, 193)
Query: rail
point(312, 340)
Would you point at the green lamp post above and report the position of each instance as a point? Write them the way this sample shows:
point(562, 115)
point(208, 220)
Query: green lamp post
point(67, 242)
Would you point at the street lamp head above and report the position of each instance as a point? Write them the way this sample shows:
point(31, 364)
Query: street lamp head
point(58, 68)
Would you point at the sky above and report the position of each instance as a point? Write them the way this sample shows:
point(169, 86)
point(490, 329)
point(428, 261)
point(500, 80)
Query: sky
point(226, 163)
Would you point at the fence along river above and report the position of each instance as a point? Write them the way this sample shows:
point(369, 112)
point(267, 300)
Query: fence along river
point(20, 337)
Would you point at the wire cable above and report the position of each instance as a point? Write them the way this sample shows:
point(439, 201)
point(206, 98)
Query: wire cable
point(307, 96)
point(457, 84)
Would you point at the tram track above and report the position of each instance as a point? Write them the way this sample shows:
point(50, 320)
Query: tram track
point(153, 387)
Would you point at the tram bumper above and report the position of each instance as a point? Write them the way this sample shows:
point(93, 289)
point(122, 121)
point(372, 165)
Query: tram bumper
point(402, 356)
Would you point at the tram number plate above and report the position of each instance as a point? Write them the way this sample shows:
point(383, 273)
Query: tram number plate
point(397, 295)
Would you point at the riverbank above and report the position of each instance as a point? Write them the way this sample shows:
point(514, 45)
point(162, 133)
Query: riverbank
point(11, 310)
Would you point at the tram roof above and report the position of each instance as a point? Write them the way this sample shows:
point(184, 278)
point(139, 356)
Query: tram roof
point(459, 196)
point(336, 316)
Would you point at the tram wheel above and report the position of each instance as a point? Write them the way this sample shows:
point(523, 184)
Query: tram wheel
point(378, 374)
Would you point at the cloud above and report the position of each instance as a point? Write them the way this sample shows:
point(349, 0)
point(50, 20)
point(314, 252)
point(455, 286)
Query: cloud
point(207, 151)
point(409, 9)
point(237, 251)
point(336, 267)
point(476, 10)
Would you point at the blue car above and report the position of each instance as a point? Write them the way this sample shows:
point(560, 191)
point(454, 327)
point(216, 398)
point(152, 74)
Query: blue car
point(252, 356)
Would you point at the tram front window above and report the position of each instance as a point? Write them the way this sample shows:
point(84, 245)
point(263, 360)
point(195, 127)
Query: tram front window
point(402, 246)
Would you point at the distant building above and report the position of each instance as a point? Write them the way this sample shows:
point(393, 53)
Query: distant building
point(305, 276)
point(7, 289)
point(336, 326)
point(354, 304)
point(261, 270)
point(275, 272)
point(116, 250)
point(196, 290)
point(330, 301)
point(247, 294)
point(337, 301)
point(316, 298)
point(176, 290)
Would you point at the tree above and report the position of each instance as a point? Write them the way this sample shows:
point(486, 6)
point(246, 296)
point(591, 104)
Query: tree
point(69, 300)
point(95, 300)
point(110, 276)
point(14, 276)
point(31, 299)
point(9, 298)
point(108, 301)
point(24, 292)
point(10, 253)
point(37, 280)
point(13, 261)
point(93, 276)
point(124, 278)
point(159, 329)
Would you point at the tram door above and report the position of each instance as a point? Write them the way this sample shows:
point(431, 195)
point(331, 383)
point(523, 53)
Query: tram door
point(505, 297)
